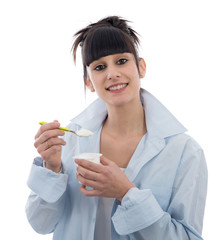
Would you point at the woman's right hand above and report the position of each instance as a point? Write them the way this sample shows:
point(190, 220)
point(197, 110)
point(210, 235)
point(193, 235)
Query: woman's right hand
point(49, 144)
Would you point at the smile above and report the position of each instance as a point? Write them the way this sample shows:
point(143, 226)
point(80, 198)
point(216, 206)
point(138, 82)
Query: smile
point(117, 87)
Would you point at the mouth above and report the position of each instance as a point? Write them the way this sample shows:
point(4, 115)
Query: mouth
point(117, 87)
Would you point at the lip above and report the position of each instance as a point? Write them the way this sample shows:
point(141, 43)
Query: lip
point(114, 85)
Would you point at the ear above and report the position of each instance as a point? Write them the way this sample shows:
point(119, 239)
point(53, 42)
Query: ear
point(89, 84)
point(142, 68)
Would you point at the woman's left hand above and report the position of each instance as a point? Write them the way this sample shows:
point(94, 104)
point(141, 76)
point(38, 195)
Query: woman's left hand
point(106, 180)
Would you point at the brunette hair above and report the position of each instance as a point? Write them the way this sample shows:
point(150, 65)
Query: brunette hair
point(108, 36)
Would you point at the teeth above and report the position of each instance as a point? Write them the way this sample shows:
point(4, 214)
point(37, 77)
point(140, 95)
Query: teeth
point(117, 87)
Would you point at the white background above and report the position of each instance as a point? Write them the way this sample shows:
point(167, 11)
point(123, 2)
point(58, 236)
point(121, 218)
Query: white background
point(182, 45)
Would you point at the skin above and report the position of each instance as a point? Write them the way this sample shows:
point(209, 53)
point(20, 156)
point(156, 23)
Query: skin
point(107, 180)
point(48, 145)
point(125, 121)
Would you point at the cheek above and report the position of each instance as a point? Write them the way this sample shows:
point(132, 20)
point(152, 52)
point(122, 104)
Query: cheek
point(95, 84)
point(98, 81)
point(98, 86)
point(136, 82)
point(134, 76)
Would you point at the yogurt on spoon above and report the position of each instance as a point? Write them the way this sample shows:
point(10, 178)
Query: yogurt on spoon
point(84, 133)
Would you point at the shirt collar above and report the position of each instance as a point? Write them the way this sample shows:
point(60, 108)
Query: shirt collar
point(159, 121)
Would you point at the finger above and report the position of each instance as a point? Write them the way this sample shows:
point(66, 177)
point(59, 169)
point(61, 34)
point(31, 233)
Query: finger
point(49, 143)
point(105, 161)
point(47, 126)
point(96, 183)
point(86, 182)
point(95, 167)
point(89, 192)
point(50, 151)
point(47, 135)
point(88, 174)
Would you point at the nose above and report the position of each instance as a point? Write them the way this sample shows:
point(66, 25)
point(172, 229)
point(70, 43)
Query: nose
point(113, 73)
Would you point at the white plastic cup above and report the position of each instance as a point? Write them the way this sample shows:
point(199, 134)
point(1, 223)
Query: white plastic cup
point(92, 157)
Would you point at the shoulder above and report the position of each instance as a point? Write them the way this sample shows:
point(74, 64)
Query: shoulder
point(191, 153)
point(183, 140)
point(186, 148)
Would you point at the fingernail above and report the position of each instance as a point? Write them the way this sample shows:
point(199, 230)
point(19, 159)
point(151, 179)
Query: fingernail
point(76, 161)
point(57, 124)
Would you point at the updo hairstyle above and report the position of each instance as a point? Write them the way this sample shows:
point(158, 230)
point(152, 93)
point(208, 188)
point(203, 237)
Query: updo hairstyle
point(108, 36)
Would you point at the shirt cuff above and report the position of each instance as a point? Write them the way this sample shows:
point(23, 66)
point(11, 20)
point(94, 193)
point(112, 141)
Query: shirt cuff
point(139, 209)
point(47, 184)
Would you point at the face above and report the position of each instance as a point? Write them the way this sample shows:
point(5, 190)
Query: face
point(116, 78)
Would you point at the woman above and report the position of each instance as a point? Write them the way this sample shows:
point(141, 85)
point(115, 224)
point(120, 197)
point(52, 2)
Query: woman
point(152, 180)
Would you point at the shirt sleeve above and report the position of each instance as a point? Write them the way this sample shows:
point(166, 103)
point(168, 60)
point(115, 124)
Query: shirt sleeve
point(140, 215)
point(47, 184)
point(45, 204)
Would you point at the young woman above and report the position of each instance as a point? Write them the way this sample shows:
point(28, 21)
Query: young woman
point(152, 180)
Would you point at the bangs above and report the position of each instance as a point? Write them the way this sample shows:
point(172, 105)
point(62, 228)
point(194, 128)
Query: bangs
point(105, 41)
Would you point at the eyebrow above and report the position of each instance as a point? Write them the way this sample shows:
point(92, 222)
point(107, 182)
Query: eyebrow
point(116, 54)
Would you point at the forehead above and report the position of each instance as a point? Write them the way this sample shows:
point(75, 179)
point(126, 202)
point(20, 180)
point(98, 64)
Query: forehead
point(105, 41)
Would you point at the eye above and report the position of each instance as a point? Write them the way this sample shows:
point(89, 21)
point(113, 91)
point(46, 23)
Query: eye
point(99, 67)
point(122, 61)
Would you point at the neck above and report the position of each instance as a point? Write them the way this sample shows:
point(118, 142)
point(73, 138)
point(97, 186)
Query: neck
point(126, 121)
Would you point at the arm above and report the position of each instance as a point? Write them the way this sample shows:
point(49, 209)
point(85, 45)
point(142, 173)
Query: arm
point(140, 215)
point(49, 200)
point(45, 204)
point(43, 216)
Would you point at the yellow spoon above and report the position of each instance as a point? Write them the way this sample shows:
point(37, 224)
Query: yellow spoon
point(80, 133)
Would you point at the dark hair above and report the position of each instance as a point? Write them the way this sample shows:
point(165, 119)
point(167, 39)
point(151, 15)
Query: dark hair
point(108, 36)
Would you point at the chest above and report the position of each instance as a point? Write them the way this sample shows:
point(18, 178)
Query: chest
point(119, 151)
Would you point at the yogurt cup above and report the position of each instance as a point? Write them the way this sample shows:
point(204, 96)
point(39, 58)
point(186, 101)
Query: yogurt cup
point(92, 157)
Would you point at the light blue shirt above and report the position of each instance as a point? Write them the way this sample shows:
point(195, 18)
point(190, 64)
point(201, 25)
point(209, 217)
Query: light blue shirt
point(168, 168)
